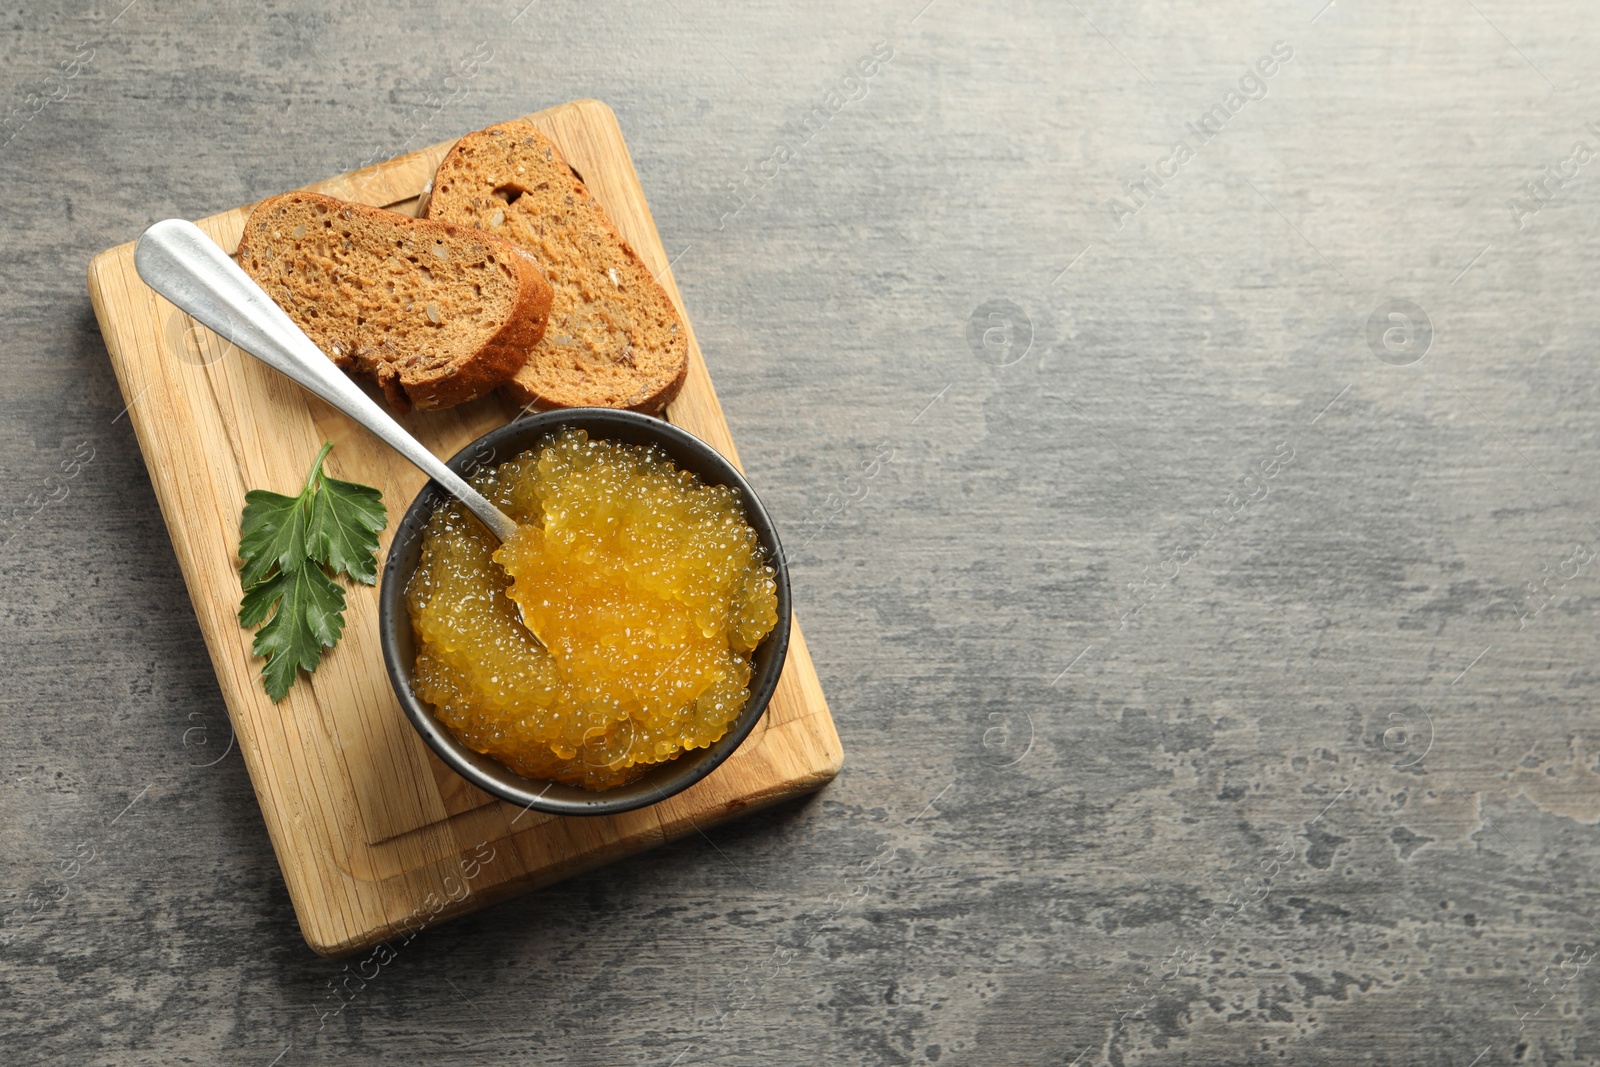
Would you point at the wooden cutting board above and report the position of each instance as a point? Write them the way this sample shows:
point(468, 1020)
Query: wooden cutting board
point(376, 837)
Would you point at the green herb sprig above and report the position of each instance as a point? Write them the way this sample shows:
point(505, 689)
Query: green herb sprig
point(289, 545)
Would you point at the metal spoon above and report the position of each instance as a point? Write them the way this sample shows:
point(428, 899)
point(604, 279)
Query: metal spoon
point(177, 260)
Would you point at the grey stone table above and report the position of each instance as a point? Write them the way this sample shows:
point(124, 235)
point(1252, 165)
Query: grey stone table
point(1186, 417)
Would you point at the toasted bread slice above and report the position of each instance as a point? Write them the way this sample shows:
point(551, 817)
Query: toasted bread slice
point(438, 314)
point(615, 339)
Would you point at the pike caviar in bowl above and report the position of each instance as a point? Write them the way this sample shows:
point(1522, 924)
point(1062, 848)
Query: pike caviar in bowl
point(615, 650)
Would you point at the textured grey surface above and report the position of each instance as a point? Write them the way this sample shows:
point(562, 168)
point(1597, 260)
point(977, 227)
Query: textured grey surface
point(1082, 722)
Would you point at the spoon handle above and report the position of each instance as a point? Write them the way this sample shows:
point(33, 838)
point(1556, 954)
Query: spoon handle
point(177, 260)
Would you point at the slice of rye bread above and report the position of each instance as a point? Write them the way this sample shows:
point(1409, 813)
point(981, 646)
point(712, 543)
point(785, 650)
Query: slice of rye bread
point(615, 339)
point(438, 314)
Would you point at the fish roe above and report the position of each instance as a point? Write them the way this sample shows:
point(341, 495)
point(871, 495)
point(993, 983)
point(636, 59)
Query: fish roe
point(643, 590)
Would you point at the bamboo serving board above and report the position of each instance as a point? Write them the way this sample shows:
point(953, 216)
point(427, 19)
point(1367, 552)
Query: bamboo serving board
point(376, 837)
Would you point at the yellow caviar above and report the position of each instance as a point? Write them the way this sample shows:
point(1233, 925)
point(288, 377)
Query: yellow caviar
point(645, 587)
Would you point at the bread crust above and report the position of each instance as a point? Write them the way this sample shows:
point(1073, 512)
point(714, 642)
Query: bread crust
point(491, 365)
point(459, 192)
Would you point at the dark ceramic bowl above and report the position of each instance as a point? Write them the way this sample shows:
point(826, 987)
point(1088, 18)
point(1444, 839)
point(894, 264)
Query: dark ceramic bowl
point(399, 653)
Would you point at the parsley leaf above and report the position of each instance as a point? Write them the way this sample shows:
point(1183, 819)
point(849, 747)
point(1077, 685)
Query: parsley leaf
point(345, 520)
point(285, 543)
point(272, 534)
point(310, 616)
